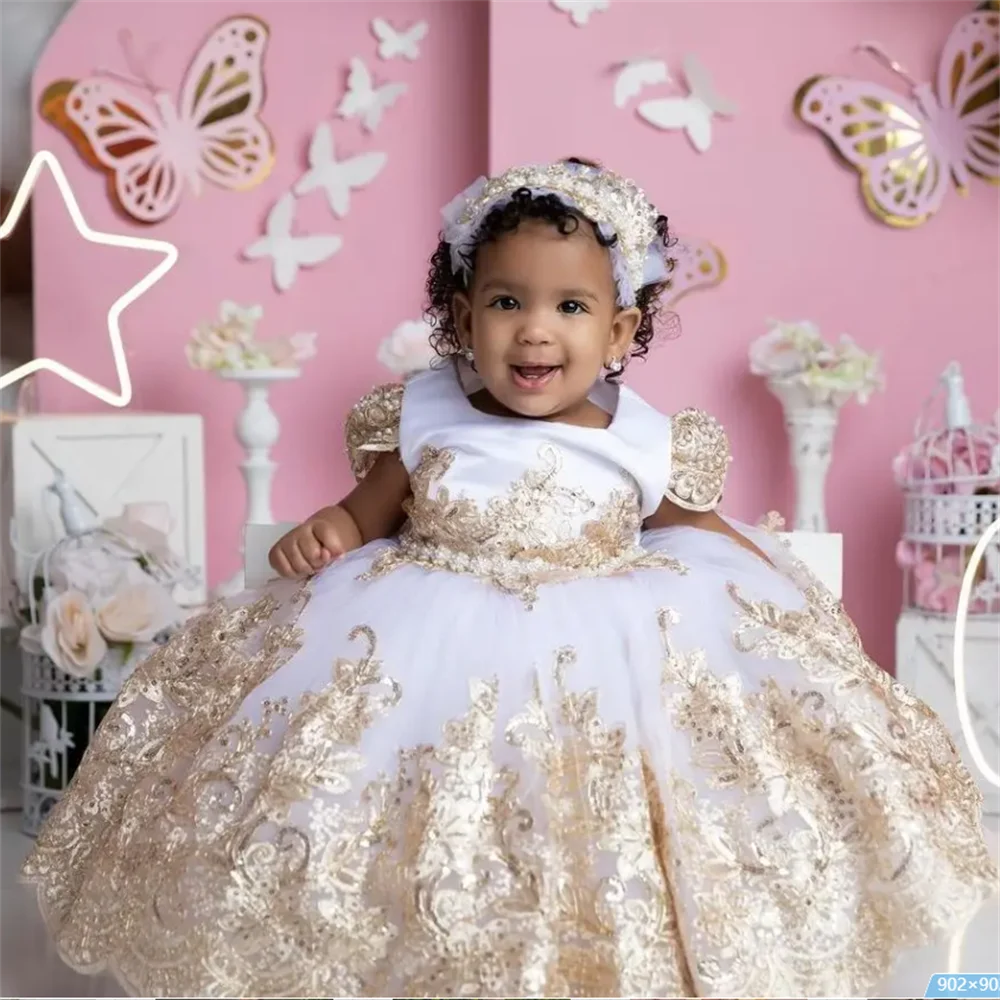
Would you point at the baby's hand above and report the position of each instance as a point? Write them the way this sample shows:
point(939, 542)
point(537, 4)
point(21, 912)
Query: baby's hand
point(305, 550)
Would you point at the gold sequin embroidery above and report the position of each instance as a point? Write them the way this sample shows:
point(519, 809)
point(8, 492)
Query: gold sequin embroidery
point(372, 427)
point(817, 814)
point(531, 536)
point(700, 460)
point(519, 856)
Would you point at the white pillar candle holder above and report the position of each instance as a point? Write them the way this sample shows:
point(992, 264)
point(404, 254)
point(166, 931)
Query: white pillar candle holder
point(811, 421)
point(257, 429)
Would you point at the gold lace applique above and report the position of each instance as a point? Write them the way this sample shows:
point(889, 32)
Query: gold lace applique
point(700, 460)
point(554, 886)
point(372, 427)
point(135, 815)
point(816, 816)
point(600, 796)
point(262, 857)
point(530, 536)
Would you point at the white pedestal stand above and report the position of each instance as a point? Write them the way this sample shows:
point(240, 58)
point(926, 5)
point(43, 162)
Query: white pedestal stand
point(811, 422)
point(257, 429)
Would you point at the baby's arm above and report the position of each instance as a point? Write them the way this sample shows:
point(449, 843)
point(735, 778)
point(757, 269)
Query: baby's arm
point(373, 509)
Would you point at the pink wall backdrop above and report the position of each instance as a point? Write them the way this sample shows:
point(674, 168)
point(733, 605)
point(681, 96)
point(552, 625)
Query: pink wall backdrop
point(787, 216)
point(435, 138)
point(790, 221)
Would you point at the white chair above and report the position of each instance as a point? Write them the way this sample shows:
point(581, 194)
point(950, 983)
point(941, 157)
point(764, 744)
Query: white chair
point(822, 553)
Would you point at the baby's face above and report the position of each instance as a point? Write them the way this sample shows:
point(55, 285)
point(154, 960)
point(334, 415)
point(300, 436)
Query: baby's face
point(542, 318)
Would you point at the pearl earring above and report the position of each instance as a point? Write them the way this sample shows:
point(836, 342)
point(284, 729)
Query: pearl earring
point(614, 366)
point(468, 354)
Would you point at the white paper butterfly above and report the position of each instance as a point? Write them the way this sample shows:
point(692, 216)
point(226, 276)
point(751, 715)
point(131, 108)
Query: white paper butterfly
point(289, 252)
point(580, 10)
point(337, 178)
point(634, 74)
point(392, 43)
point(693, 113)
point(364, 100)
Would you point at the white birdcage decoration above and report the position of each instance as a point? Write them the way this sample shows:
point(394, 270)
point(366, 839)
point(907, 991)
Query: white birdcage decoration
point(61, 713)
point(950, 477)
point(64, 703)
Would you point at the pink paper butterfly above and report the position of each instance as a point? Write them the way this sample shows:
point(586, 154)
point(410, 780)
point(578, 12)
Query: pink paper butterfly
point(905, 149)
point(697, 264)
point(149, 150)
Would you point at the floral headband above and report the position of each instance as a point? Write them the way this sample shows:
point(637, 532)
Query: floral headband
point(614, 204)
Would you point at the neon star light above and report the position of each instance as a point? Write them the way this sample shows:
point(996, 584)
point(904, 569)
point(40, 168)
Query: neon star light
point(43, 158)
point(957, 943)
point(958, 657)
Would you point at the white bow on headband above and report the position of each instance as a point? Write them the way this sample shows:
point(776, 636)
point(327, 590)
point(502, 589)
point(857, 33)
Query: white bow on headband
point(615, 205)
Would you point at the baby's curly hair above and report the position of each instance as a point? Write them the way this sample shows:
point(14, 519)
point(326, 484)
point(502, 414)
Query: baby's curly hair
point(443, 284)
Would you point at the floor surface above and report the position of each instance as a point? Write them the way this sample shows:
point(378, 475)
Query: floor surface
point(29, 966)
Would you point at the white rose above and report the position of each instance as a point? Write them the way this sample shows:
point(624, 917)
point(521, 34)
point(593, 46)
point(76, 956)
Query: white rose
point(408, 348)
point(90, 570)
point(201, 354)
point(70, 636)
point(137, 612)
point(303, 346)
point(773, 354)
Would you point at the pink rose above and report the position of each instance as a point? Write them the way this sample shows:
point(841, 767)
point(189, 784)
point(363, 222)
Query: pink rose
point(906, 554)
point(290, 352)
point(137, 612)
point(937, 585)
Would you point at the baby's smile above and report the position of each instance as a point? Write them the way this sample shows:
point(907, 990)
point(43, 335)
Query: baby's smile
point(534, 378)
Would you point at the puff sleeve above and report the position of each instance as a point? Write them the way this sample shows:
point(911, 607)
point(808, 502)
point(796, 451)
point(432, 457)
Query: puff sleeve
point(699, 460)
point(372, 427)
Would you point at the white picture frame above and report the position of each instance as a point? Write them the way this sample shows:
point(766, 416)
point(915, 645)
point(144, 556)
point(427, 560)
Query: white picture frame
point(111, 459)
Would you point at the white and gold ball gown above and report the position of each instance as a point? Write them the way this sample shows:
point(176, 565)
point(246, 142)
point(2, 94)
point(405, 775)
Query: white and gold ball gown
point(522, 750)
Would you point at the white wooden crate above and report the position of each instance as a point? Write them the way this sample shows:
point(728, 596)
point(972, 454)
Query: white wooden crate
point(111, 459)
point(924, 663)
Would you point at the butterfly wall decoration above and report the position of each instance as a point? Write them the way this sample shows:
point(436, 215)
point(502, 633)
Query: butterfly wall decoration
point(393, 43)
point(364, 100)
point(154, 148)
point(693, 113)
point(697, 265)
point(287, 251)
point(580, 10)
point(337, 178)
point(907, 149)
point(633, 75)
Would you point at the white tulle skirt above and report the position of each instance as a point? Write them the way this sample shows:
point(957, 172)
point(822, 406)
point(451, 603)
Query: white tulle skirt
point(658, 784)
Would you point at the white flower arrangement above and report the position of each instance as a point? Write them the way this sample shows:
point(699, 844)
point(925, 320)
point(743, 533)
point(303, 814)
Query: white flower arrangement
point(408, 350)
point(108, 596)
point(230, 343)
point(797, 354)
